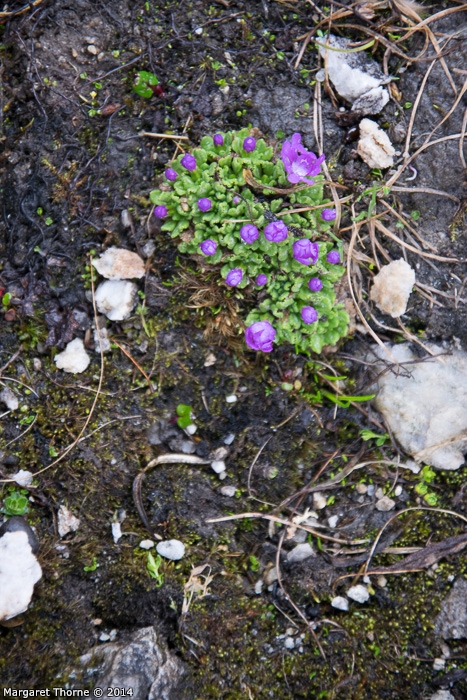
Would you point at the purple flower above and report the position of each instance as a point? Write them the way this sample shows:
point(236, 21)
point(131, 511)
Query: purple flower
point(249, 233)
point(333, 257)
point(260, 336)
point(309, 314)
point(204, 204)
point(171, 174)
point(315, 284)
point(208, 247)
point(236, 200)
point(160, 212)
point(249, 144)
point(305, 252)
point(328, 214)
point(234, 277)
point(218, 139)
point(188, 161)
point(299, 163)
point(276, 231)
point(261, 280)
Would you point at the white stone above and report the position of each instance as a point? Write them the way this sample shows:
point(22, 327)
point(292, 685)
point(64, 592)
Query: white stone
point(332, 521)
point(289, 642)
point(171, 549)
point(340, 603)
point(119, 264)
point(361, 488)
point(210, 360)
point(259, 586)
point(270, 576)
point(374, 146)
point(319, 500)
point(146, 544)
point(9, 398)
point(379, 493)
point(191, 429)
point(398, 490)
point(67, 522)
point(116, 299)
point(218, 466)
point(228, 491)
point(381, 581)
point(104, 340)
point(384, 504)
point(93, 50)
point(425, 403)
point(23, 477)
point(443, 695)
point(219, 453)
point(231, 398)
point(358, 593)
point(392, 287)
point(74, 358)
point(117, 533)
point(356, 77)
point(228, 440)
point(19, 571)
point(439, 664)
point(300, 553)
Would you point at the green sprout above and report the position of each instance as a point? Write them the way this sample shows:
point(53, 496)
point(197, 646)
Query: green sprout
point(16, 503)
point(91, 567)
point(153, 569)
point(184, 415)
point(370, 435)
point(144, 83)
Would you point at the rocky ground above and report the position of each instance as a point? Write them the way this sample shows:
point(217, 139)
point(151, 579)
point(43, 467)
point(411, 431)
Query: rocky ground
point(246, 612)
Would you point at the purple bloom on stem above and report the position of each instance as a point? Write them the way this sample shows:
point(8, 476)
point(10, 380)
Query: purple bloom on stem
point(328, 214)
point(309, 314)
point(299, 163)
point(189, 162)
point(315, 284)
point(249, 144)
point(305, 252)
point(261, 280)
point(276, 231)
point(234, 277)
point(236, 200)
point(260, 336)
point(249, 233)
point(333, 257)
point(171, 174)
point(218, 139)
point(204, 204)
point(208, 247)
point(160, 212)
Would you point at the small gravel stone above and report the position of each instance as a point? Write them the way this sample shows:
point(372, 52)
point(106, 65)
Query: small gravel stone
point(218, 466)
point(381, 581)
point(439, 664)
point(23, 477)
point(146, 544)
point(300, 553)
point(104, 637)
point(9, 399)
point(319, 501)
point(228, 440)
point(379, 493)
point(231, 398)
point(443, 695)
point(340, 603)
point(384, 504)
point(228, 491)
point(93, 50)
point(210, 360)
point(117, 533)
point(67, 522)
point(74, 358)
point(333, 521)
point(358, 593)
point(398, 491)
point(259, 586)
point(361, 488)
point(270, 576)
point(289, 643)
point(371, 489)
point(191, 429)
point(171, 549)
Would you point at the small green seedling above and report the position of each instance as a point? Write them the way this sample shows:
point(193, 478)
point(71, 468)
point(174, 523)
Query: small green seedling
point(370, 435)
point(184, 414)
point(153, 569)
point(427, 476)
point(16, 503)
point(92, 566)
point(144, 84)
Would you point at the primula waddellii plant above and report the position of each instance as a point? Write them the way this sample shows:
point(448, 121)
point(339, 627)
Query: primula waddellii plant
point(262, 218)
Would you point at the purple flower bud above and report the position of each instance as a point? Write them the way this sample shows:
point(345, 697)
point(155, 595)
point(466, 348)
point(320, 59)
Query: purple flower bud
point(204, 204)
point(260, 336)
point(309, 314)
point(315, 284)
point(218, 139)
point(249, 144)
point(333, 257)
point(305, 252)
point(276, 231)
point(171, 174)
point(249, 233)
point(188, 161)
point(261, 280)
point(234, 277)
point(236, 200)
point(328, 214)
point(208, 247)
point(160, 212)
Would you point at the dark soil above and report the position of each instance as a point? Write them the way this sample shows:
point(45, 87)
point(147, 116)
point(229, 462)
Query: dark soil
point(68, 172)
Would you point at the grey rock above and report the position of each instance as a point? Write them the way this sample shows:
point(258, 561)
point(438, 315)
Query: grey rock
point(300, 552)
point(143, 663)
point(451, 622)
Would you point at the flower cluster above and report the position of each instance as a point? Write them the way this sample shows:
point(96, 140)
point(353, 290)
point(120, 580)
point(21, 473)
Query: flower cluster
point(287, 260)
